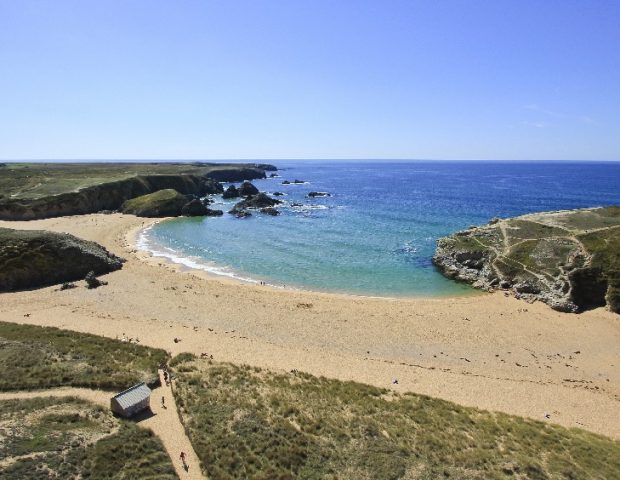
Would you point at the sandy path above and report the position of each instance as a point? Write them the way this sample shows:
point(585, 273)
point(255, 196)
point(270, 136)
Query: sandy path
point(487, 351)
point(165, 422)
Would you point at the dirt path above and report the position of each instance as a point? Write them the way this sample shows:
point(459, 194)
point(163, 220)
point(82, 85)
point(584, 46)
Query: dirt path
point(165, 422)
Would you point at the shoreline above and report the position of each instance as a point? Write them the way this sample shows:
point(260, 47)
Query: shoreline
point(487, 351)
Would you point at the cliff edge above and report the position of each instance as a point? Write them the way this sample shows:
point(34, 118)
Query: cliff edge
point(567, 259)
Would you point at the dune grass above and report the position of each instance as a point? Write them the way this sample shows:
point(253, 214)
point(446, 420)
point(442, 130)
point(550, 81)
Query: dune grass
point(33, 357)
point(250, 423)
point(71, 438)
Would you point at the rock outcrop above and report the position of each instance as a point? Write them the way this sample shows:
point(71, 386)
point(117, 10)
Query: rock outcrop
point(254, 202)
point(231, 192)
point(163, 203)
point(35, 258)
point(568, 259)
point(319, 194)
point(246, 189)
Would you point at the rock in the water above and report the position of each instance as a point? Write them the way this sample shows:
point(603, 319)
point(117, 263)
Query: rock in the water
point(208, 186)
point(270, 211)
point(246, 189)
point(241, 213)
point(319, 194)
point(214, 213)
point(567, 259)
point(36, 258)
point(163, 203)
point(92, 281)
point(298, 181)
point(231, 192)
point(286, 182)
point(277, 194)
point(258, 201)
point(194, 208)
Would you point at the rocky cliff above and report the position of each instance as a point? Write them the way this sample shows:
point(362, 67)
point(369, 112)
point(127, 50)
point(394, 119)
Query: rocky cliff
point(568, 259)
point(35, 258)
point(111, 195)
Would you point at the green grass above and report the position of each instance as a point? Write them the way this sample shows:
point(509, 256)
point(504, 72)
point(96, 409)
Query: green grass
point(544, 255)
point(33, 357)
point(70, 438)
point(156, 202)
point(35, 180)
point(249, 423)
point(523, 229)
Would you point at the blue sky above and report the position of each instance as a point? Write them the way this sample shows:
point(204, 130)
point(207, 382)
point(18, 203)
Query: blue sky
point(201, 79)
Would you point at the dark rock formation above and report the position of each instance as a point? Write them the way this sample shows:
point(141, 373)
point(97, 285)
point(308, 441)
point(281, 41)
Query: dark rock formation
point(194, 208)
point(246, 189)
point(319, 194)
point(35, 258)
point(277, 194)
point(286, 182)
point(256, 202)
point(298, 181)
point(163, 203)
point(241, 213)
point(237, 174)
point(208, 186)
point(270, 211)
point(267, 167)
point(569, 259)
point(231, 192)
point(92, 281)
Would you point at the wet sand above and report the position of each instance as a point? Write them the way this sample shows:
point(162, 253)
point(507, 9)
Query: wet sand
point(488, 351)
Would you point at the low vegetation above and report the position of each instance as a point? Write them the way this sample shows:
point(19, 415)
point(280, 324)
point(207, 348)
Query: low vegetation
point(46, 438)
point(246, 422)
point(33, 357)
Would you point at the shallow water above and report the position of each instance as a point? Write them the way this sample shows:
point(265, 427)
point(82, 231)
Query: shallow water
point(376, 234)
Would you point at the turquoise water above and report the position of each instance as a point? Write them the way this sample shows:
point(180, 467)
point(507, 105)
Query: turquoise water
point(376, 234)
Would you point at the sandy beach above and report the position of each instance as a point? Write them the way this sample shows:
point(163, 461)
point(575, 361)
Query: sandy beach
point(489, 351)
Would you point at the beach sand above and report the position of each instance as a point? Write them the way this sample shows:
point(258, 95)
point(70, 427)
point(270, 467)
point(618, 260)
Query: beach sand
point(488, 351)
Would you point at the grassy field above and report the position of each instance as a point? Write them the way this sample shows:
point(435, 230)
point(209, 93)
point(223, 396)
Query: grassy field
point(250, 423)
point(35, 180)
point(33, 357)
point(71, 438)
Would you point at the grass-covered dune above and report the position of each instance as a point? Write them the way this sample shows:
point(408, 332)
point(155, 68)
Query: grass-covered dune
point(162, 203)
point(36, 258)
point(43, 438)
point(246, 422)
point(568, 259)
point(42, 190)
point(33, 357)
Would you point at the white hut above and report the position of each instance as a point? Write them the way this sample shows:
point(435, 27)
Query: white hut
point(131, 401)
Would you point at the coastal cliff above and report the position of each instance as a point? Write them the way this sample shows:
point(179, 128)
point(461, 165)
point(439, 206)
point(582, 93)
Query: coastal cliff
point(110, 195)
point(567, 259)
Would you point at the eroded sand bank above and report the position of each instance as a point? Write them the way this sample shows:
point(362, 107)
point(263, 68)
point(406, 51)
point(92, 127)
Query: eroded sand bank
point(487, 351)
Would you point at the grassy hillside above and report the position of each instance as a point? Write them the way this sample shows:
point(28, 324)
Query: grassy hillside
point(34, 357)
point(250, 423)
point(35, 180)
point(71, 438)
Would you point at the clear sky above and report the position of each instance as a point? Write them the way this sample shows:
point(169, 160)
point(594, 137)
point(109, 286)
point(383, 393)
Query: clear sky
point(200, 79)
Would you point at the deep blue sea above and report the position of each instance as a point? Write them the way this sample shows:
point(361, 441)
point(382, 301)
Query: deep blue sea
point(376, 234)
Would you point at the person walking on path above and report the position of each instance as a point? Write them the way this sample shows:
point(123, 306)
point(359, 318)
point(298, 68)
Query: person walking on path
point(185, 465)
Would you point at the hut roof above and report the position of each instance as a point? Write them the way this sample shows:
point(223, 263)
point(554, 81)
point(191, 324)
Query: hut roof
point(133, 395)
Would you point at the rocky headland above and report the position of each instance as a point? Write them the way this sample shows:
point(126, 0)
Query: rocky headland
point(36, 258)
point(568, 259)
point(35, 192)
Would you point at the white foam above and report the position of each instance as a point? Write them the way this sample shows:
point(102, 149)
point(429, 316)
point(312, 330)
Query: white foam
point(197, 263)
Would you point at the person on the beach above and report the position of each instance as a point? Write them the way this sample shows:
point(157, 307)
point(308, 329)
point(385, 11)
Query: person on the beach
point(185, 465)
point(163, 403)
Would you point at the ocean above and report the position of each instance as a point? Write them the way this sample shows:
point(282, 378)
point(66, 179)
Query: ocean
point(375, 235)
